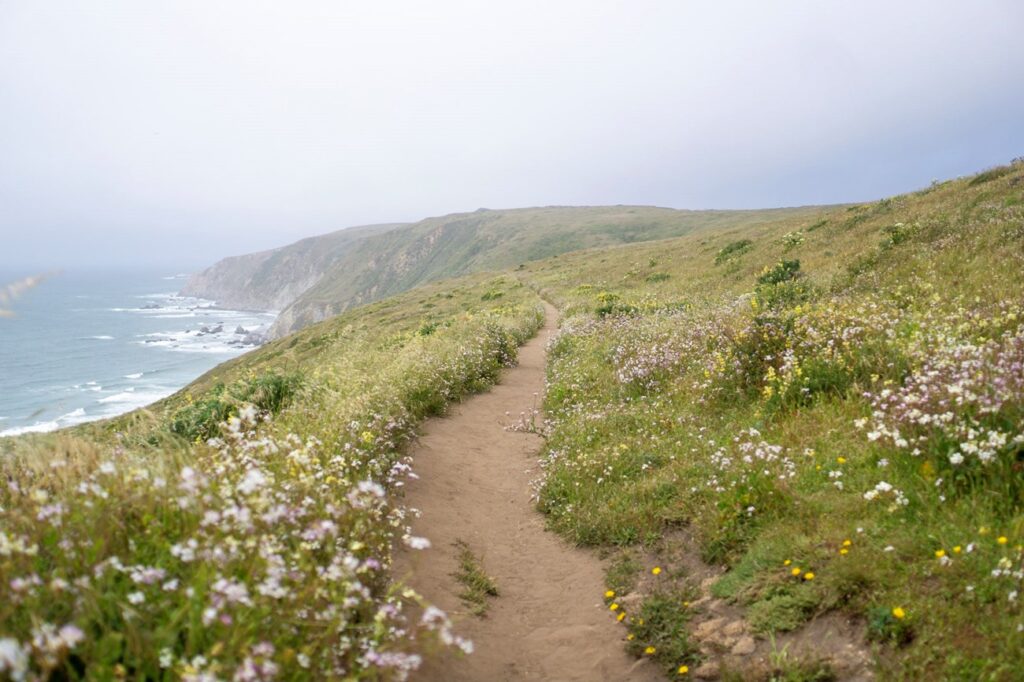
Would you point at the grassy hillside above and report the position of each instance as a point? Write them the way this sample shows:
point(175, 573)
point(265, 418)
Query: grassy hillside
point(454, 245)
point(270, 280)
point(827, 403)
point(165, 545)
point(832, 408)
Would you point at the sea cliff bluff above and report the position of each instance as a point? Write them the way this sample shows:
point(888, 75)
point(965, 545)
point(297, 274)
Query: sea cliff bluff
point(323, 276)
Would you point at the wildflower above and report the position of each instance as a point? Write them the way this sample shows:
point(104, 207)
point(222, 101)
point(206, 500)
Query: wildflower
point(787, 562)
point(956, 549)
point(613, 607)
point(683, 669)
point(847, 543)
point(621, 617)
point(13, 659)
point(609, 594)
point(795, 572)
point(630, 637)
point(898, 613)
point(939, 553)
point(657, 569)
point(844, 551)
point(1002, 540)
point(808, 575)
point(841, 460)
point(650, 650)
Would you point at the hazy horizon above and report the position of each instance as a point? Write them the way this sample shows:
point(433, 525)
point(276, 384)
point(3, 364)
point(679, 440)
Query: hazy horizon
point(136, 135)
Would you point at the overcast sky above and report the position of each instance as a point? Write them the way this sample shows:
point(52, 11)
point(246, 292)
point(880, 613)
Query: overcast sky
point(174, 133)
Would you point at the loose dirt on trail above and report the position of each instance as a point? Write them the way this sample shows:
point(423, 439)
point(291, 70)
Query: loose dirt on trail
point(549, 621)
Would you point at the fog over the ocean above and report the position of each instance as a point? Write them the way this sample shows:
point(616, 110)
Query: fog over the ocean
point(177, 133)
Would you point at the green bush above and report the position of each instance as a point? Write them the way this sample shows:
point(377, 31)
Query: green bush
point(201, 419)
point(733, 250)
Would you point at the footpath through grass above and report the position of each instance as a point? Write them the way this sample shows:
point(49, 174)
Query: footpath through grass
point(834, 409)
point(164, 545)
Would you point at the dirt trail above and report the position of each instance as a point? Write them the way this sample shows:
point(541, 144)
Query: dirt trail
point(549, 622)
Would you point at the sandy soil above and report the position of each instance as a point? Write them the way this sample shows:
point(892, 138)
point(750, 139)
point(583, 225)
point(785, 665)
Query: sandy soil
point(549, 622)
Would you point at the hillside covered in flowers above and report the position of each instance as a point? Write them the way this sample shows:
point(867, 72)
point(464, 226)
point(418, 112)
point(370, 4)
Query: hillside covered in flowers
point(820, 416)
point(833, 411)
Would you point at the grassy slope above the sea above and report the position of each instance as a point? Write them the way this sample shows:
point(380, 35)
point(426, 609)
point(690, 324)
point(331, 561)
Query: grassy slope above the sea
point(135, 548)
point(833, 408)
point(484, 240)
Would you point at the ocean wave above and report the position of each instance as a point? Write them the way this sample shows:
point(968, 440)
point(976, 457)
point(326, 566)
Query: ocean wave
point(136, 375)
point(77, 416)
point(101, 337)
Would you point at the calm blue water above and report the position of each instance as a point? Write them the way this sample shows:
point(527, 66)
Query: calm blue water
point(85, 346)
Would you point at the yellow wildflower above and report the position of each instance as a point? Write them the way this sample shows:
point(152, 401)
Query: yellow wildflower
point(898, 613)
point(650, 650)
point(808, 576)
point(609, 594)
point(847, 543)
point(621, 616)
point(795, 571)
point(656, 570)
point(957, 549)
point(683, 669)
point(787, 562)
point(939, 553)
point(1002, 540)
point(613, 607)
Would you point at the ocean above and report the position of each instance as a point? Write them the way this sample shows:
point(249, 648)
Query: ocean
point(85, 346)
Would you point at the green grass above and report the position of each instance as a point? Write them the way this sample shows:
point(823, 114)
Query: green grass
point(659, 390)
point(168, 542)
point(399, 259)
point(765, 401)
point(478, 587)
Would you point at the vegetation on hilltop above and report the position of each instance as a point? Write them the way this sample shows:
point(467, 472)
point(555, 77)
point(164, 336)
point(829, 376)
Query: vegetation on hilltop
point(383, 263)
point(139, 548)
point(833, 408)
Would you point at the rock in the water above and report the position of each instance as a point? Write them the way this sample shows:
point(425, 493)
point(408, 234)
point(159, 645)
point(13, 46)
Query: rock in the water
point(240, 330)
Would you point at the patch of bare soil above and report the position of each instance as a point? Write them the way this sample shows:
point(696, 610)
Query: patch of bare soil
point(548, 621)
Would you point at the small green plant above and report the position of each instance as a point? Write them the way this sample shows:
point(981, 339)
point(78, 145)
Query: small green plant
point(791, 240)
point(427, 328)
point(659, 631)
point(492, 295)
point(202, 418)
point(478, 586)
point(733, 250)
point(656, 277)
point(989, 175)
point(889, 624)
point(896, 234)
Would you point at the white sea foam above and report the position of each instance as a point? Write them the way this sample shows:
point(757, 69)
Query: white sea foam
point(77, 416)
point(38, 427)
point(137, 375)
point(101, 337)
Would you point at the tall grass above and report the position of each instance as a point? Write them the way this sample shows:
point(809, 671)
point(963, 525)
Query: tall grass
point(173, 547)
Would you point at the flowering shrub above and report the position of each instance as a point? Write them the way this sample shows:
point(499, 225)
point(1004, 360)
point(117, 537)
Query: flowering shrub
point(963, 408)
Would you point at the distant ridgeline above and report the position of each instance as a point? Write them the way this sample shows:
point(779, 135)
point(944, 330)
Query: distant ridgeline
point(318, 277)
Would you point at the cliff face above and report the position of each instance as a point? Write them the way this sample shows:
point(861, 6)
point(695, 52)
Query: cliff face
point(271, 280)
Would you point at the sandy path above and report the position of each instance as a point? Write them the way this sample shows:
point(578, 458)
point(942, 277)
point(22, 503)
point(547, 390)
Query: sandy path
point(549, 622)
